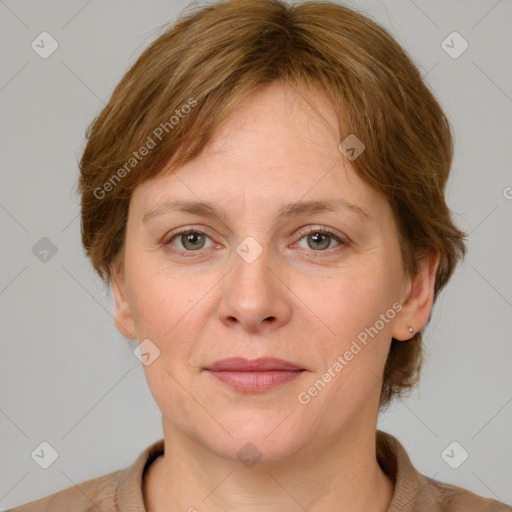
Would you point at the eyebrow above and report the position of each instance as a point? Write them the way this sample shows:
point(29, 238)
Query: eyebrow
point(288, 210)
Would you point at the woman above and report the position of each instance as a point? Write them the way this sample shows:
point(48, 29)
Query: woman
point(265, 193)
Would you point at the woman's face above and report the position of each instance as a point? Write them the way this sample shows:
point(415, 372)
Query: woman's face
point(251, 283)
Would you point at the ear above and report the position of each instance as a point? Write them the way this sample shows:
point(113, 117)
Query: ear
point(419, 297)
point(123, 317)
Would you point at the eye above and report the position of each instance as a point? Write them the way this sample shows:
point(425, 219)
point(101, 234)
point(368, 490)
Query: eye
point(191, 240)
point(320, 239)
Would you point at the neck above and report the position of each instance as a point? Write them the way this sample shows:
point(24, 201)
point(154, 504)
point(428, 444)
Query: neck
point(341, 475)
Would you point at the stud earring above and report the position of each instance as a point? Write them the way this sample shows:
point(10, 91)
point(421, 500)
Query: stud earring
point(411, 330)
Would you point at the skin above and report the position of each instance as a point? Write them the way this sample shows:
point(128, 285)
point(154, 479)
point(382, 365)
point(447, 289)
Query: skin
point(295, 301)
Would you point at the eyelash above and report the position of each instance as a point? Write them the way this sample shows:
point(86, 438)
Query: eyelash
point(302, 234)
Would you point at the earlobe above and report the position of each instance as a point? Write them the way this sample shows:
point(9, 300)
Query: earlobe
point(417, 305)
point(123, 317)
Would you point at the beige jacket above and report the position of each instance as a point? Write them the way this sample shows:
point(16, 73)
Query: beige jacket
point(121, 491)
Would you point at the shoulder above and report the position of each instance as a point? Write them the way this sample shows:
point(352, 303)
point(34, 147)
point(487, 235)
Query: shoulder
point(92, 495)
point(451, 498)
point(117, 491)
point(415, 492)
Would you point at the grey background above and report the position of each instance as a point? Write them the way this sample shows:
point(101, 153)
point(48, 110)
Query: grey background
point(69, 378)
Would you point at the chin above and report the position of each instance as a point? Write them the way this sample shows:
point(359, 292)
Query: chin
point(264, 437)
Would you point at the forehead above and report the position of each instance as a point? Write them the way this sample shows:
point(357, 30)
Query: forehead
point(277, 147)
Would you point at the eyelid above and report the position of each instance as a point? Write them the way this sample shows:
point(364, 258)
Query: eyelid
point(327, 231)
point(180, 231)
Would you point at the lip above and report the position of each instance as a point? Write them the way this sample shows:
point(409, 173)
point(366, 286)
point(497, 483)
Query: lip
point(263, 364)
point(254, 376)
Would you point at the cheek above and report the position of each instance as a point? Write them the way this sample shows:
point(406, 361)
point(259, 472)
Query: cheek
point(163, 309)
point(354, 356)
point(349, 303)
point(154, 306)
point(171, 311)
point(158, 297)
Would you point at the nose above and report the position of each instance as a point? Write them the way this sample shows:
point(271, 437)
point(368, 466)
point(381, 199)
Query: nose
point(255, 297)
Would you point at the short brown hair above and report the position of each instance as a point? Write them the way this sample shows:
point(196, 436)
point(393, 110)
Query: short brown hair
point(192, 76)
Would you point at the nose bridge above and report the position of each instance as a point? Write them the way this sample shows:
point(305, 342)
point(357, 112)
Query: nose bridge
point(252, 275)
point(253, 293)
